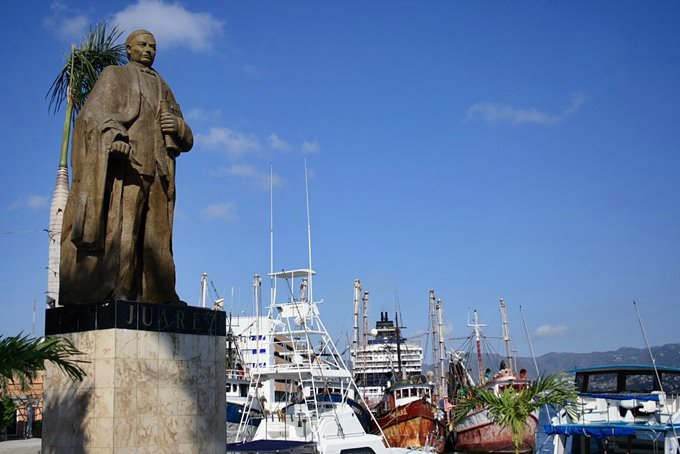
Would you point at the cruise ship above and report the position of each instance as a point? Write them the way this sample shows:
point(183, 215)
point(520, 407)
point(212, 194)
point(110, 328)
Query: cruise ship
point(377, 360)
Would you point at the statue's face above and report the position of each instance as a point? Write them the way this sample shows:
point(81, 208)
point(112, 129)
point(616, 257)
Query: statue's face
point(142, 49)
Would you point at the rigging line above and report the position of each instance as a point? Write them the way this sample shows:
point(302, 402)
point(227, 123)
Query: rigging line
point(656, 371)
point(533, 357)
point(22, 232)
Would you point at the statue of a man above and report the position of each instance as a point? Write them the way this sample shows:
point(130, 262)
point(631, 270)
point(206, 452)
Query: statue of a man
point(117, 232)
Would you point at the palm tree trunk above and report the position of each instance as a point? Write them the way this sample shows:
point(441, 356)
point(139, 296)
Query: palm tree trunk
point(59, 197)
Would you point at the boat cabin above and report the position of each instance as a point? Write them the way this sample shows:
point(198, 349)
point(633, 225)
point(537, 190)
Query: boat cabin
point(627, 408)
point(402, 394)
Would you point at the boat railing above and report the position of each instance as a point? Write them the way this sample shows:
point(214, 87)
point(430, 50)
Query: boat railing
point(235, 374)
point(649, 408)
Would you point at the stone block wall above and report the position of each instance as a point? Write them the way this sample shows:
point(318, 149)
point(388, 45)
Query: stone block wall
point(145, 392)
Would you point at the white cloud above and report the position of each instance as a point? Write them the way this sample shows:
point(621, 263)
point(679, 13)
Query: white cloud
point(499, 113)
point(251, 70)
point(576, 102)
point(36, 202)
point(237, 143)
point(229, 140)
point(65, 22)
point(203, 115)
point(220, 211)
point(495, 113)
point(33, 202)
point(309, 147)
point(261, 178)
point(546, 331)
point(171, 24)
point(276, 143)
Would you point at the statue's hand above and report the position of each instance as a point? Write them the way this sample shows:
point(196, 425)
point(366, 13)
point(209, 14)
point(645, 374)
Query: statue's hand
point(120, 149)
point(169, 123)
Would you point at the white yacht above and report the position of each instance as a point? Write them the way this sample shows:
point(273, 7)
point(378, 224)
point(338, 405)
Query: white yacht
point(633, 408)
point(306, 361)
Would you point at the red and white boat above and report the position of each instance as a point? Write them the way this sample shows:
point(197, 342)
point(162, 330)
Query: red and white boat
point(476, 432)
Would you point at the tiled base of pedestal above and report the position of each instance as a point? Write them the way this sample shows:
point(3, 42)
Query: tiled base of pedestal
point(145, 392)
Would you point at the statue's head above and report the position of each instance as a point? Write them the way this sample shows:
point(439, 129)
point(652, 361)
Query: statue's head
point(140, 46)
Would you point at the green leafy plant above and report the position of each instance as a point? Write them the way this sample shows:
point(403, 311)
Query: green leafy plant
point(512, 407)
point(80, 73)
point(7, 415)
point(21, 356)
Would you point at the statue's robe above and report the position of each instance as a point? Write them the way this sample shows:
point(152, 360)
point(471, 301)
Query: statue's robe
point(117, 231)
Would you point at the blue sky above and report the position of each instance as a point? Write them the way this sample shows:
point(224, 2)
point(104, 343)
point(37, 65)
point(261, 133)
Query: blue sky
point(524, 150)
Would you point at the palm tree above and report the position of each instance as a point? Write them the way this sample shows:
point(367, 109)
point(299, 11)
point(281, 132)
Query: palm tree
point(512, 407)
point(72, 86)
point(21, 356)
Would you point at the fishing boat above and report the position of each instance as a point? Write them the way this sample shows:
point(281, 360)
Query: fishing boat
point(621, 408)
point(318, 418)
point(407, 413)
point(477, 432)
point(409, 418)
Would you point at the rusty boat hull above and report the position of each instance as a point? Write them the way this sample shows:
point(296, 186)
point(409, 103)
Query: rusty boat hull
point(414, 426)
point(476, 433)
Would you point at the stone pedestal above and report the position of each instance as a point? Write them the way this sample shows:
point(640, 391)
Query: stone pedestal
point(155, 380)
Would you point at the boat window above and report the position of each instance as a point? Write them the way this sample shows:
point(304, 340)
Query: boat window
point(365, 450)
point(398, 394)
point(581, 383)
point(640, 383)
point(602, 383)
point(671, 382)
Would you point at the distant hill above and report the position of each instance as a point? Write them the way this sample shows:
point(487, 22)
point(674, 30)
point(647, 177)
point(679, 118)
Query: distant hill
point(665, 355)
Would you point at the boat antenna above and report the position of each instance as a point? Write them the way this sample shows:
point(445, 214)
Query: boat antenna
point(271, 235)
point(309, 236)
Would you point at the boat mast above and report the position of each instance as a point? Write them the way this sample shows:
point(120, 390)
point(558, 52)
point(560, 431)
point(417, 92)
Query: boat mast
point(309, 238)
point(231, 359)
point(364, 334)
point(433, 324)
point(506, 336)
point(271, 241)
point(257, 287)
point(478, 340)
point(355, 337)
point(398, 333)
point(204, 288)
point(442, 351)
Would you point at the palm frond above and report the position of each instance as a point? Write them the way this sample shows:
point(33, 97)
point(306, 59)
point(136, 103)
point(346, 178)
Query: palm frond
point(512, 407)
point(21, 356)
point(7, 411)
point(83, 66)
